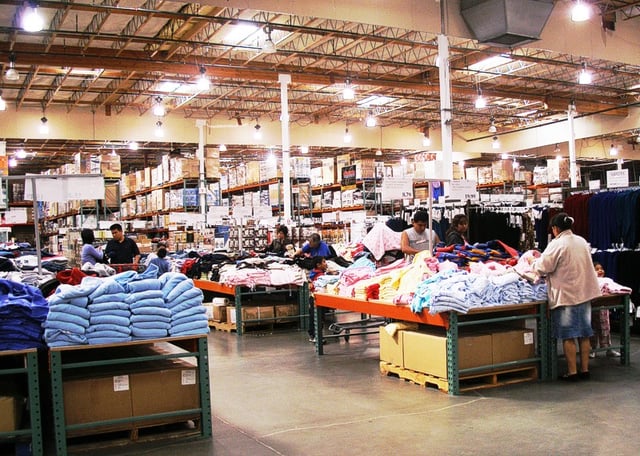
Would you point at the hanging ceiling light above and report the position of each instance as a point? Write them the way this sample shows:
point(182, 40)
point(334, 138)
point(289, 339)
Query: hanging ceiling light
point(492, 126)
point(222, 148)
point(21, 154)
point(158, 108)
point(44, 127)
point(133, 145)
point(159, 131)
point(584, 77)
point(13, 162)
point(348, 93)
point(269, 47)
point(379, 153)
point(403, 161)
point(426, 139)
point(481, 102)
point(113, 152)
point(613, 150)
point(347, 136)
point(3, 104)
point(12, 74)
point(304, 149)
point(31, 19)
point(580, 12)
point(556, 150)
point(504, 156)
point(371, 120)
point(495, 142)
point(257, 134)
point(203, 81)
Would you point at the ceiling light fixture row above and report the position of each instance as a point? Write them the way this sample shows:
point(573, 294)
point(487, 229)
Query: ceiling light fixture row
point(32, 21)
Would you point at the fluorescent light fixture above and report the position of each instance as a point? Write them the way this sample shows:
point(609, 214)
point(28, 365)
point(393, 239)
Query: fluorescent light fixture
point(490, 62)
point(203, 81)
point(158, 108)
point(239, 33)
point(580, 12)
point(133, 145)
point(21, 154)
point(375, 100)
point(159, 131)
point(44, 127)
point(222, 148)
point(504, 156)
point(347, 136)
point(31, 19)
point(304, 149)
point(379, 153)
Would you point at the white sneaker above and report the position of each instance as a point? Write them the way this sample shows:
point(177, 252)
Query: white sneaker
point(592, 355)
point(613, 353)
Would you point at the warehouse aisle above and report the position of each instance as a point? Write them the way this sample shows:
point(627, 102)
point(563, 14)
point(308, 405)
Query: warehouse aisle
point(272, 395)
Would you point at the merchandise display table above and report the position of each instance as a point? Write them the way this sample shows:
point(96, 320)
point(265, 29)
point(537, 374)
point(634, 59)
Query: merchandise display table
point(612, 301)
point(240, 292)
point(451, 322)
point(131, 381)
point(24, 363)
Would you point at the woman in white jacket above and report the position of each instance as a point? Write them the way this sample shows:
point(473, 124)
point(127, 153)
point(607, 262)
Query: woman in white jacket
point(571, 285)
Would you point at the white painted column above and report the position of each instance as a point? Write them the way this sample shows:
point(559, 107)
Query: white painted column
point(573, 168)
point(285, 80)
point(445, 107)
point(202, 188)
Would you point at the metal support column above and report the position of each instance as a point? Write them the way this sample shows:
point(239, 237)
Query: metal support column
point(453, 377)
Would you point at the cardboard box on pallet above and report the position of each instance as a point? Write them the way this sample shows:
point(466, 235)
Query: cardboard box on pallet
point(286, 312)
point(250, 314)
point(109, 397)
point(391, 347)
point(512, 345)
point(426, 352)
point(11, 410)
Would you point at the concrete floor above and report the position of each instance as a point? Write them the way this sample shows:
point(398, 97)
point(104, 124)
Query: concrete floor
point(271, 395)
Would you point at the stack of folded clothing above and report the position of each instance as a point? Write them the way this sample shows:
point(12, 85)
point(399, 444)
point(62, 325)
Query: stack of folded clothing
point(150, 317)
point(68, 317)
point(184, 300)
point(109, 313)
point(22, 311)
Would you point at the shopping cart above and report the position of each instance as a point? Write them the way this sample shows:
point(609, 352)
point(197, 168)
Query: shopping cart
point(128, 267)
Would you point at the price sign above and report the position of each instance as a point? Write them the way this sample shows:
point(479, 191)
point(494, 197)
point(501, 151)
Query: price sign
point(463, 190)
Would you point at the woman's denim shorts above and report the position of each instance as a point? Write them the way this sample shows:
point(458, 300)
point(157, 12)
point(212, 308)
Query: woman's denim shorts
point(572, 321)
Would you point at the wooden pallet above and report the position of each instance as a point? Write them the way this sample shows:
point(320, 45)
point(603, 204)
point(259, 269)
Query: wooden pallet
point(232, 327)
point(480, 380)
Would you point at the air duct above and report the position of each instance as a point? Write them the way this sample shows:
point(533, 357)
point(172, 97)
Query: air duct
point(508, 23)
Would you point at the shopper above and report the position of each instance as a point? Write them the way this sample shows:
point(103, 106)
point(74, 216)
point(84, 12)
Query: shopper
point(416, 238)
point(152, 255)
point(89, 253)
point(601, 325)
point(314, 247)
point(121, 249)
point(571, 285)
point(456, 234)
point(160, 261)
point(320, 268)
point(279, 245)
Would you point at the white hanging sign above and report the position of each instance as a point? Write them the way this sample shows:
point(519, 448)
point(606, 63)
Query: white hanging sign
point(397, 188)
point(67, 188)
point(618, 178)
point(463, 190)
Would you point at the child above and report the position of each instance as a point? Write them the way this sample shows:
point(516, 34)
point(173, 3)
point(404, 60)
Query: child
point(320, 267)
point(601, 327)
point(160, 261)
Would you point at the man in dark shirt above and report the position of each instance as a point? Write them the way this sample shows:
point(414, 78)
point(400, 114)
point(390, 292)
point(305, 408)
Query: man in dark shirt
point(121, 249)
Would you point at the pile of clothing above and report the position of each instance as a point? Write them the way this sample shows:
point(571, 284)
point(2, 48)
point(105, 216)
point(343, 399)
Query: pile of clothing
point(23, 309)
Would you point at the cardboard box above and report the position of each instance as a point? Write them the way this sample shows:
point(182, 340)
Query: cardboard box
point(512, 345)
point(251, 314)
point(175, 381)
point(11, 410)
point(97, 399)
point(391, 347)
point(286, 312)
point(426, 352)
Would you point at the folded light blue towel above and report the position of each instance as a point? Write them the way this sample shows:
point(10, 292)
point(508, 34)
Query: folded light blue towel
point(108, 340)
point(150, 325)
point(106, 306)
point(159, 312)
point(70, 309)
point(109, 319)
point(148, 294)
point(58, 338)
point(64, 326)
point(179, 289)
point(114, 312)
point(146, 318)
point(189, 294)
point(82, 301)
point(140, 333)
point(193, 302)
point(191, 311)
point(117, 297)
point(68, 318)
point(108, 327)
point(136, 286)
point(108, 287)
point(200, 327)
point(150, 302)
